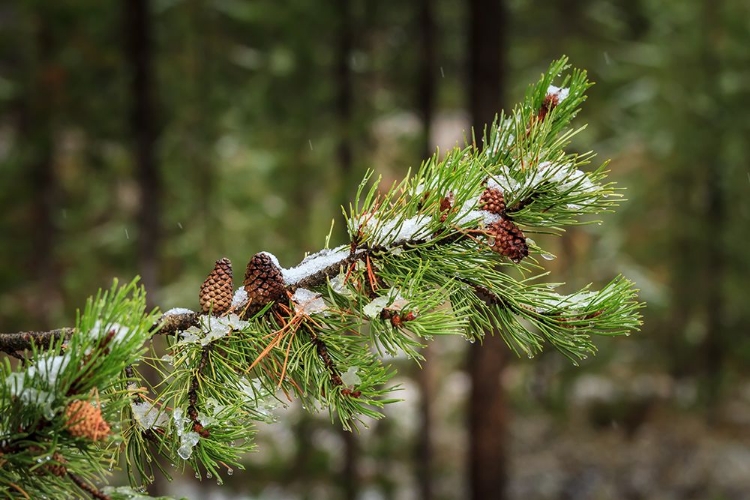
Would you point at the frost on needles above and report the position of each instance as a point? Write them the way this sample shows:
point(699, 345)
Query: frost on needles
point(427, 257)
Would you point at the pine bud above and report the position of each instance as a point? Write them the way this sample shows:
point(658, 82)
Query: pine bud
point(492, 200)
point(550, 102)
point(446, 205)
point(83, 419)
point(263, 283)
point(507, 239)
point(218, 289)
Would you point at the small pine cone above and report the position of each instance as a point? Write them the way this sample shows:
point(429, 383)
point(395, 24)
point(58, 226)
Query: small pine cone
point(85, 420)
point(492, 200)
point(58, 469)
point(509, 240)
point(550, 102)
point(264, 282)
point(218, 289)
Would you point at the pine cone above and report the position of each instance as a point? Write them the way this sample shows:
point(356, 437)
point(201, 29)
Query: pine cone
point(85, 420)
point(446, 204)
point(57, 469)
point(56, 466)
point(218, 289)
point(509, 240)
point(492, 200)
point(264, 282)
point(550, 102)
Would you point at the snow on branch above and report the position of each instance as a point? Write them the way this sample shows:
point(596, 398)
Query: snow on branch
point(424, 258)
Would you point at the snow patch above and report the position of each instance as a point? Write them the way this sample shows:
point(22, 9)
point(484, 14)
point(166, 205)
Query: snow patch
point(309, 302)
point(240, 298)
point(350, 377)
point(48, 369)
point(177, 311)
point(392, 299)
point(216, 328)
point(101, 330)
point(188, 441)
point(560, 93)
point(565, 177)
point(397, 230)
point(30, 395)
point(503, 180)
point(189, 336)
point(273, 258)
point(148, 416)
point(338, 285)
point(315, 263)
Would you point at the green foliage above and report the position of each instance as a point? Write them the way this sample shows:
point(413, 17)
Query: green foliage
point(90, 367)
point(425, 259)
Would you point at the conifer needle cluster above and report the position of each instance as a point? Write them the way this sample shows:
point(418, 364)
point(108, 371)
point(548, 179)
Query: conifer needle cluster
point(444, 252)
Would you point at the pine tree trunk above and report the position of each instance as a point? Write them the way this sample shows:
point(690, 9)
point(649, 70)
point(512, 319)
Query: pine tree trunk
point(350, 473)
point(202, 61)
point(139, 55)
point(716, 212)
point(487, 413)
point(426, 375)
point(344, 46)
point(38, 128)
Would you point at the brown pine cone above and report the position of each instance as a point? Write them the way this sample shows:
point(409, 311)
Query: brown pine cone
point(58, 468)
point(509, 240)
point(264, 282)
point(85, 420)
point(492, 200)
point(218, 289)
point(550, 102)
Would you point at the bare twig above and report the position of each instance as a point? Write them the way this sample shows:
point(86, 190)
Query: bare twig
point(12, 343)
point(193, 394)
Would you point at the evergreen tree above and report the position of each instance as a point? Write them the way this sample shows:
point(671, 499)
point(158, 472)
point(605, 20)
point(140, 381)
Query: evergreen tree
point(444, 252)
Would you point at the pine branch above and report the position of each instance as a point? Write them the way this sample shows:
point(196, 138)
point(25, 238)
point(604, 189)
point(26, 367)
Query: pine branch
point(426, 257)
point(13, 343)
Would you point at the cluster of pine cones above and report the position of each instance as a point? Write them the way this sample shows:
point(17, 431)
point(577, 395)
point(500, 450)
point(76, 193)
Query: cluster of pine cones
point(263, 284)
point(506, 238)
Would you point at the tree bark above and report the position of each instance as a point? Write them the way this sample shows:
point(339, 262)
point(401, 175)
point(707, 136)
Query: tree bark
point(487, 413)
point(138, 34)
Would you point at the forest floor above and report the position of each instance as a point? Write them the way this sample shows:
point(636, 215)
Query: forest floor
point(669, 456)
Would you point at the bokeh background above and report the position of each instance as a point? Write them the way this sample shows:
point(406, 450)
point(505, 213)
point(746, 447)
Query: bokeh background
point(152, 137)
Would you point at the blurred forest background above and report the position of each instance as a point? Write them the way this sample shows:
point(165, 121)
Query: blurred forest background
point(153, 137)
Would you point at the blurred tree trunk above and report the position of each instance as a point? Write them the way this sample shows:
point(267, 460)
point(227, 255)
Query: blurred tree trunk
point(716, 212)
point(698, 258)
point(200, 140)
point(139, 57)
point(344, 44)
point(487, 412)
point(138, 34)
point(37, 127)
point(426, 376)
